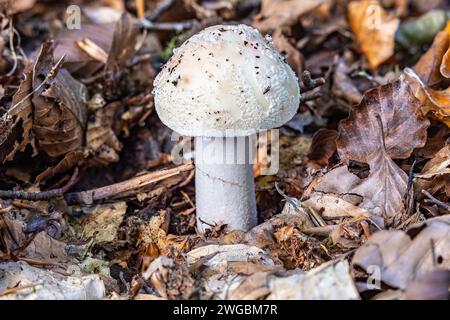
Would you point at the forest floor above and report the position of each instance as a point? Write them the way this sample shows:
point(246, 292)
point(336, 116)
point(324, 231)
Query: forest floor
point(92, 206)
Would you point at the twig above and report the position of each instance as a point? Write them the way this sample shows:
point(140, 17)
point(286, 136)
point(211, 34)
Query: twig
point(14, 290)
point(40, 196)
point(307, 86)
point(308, 83)
point(168, 26)
point(433, 200)
point(409, 196)
point(88, 197)
point(160, 8)
point(320, 231)
point(13, 50)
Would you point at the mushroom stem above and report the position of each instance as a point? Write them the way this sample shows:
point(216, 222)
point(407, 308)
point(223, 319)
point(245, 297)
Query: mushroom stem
point(225, 190)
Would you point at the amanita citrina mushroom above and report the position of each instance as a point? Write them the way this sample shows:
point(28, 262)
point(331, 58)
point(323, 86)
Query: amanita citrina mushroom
point(224, 82)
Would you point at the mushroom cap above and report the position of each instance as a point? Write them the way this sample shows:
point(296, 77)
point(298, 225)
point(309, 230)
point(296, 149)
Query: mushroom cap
point(226, 80)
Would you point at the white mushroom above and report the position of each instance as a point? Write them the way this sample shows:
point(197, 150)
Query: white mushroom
point(225, 82)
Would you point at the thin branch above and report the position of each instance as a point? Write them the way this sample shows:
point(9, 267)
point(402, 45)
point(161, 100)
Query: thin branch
point(15, 289)
point(435, 201)
point(90, 196)
point(40, 196)
point(168, 26)
point(160, 8)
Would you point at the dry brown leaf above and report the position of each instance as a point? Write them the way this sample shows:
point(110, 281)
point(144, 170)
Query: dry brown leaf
point(293, 56)
point(42, 247)
point(124, 42)
point(343, 86)
point(101, 140)
point(434, 102)
point(16, 133)
point(387, 124)
point(93, 50)
point(435, 174)
point(77, 61)
point(22, 5)
point(278, 13)
point(60, 112)
point(404, 126)
point(323, 146)
point(403, 257)
point(437, 166)
point(374, 29)
point(432, 66)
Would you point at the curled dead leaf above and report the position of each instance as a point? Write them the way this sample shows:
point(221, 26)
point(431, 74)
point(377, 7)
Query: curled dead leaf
point(16, 129)
point(432, 66)
point(323, 146)
point(60, 112)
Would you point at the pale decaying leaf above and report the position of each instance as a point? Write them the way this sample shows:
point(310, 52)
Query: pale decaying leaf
point(218, 257)
point(100, 222)
point(100, 137)
point(403, 257)
point(279, 13)
point(384, 189)
point(332, 207)
point(41, 284)
point(374, 29)
point(169, 279)
point(42, 247)
point(331, 281)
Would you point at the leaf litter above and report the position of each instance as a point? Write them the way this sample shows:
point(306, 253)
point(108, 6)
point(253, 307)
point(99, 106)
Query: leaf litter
point(92, 207)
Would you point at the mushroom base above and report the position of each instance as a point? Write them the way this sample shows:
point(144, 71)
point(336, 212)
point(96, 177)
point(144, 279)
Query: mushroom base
point(224, 183)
